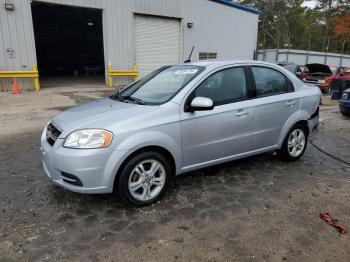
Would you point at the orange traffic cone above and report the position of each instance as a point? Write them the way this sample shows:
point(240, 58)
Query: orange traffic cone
point(15, 87)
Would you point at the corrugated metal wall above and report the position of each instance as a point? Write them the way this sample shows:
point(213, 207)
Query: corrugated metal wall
point(302, 57)
point(16, 29)
point(217, 28)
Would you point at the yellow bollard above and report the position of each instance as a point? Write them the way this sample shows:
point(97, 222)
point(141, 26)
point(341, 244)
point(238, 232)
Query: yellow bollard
point(36, 78)
point(110, 78)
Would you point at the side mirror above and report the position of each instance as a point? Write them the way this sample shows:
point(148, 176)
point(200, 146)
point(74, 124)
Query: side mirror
point(201, 104)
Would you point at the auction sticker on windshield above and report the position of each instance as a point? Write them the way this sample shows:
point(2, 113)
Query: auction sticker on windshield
point(186, 72)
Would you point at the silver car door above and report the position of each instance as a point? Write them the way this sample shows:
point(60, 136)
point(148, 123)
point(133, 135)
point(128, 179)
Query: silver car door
point(275, 103)
point(225, 130)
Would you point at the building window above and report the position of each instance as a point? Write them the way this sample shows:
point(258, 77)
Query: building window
point(207, 56)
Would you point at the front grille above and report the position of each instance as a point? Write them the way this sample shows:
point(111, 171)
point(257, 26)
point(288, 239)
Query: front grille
point(52, 133)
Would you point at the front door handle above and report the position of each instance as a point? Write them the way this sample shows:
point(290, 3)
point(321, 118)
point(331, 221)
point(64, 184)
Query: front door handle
point(241, 113)
point(290, 103)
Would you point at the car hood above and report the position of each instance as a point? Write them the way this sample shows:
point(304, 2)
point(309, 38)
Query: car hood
point(101, 113)
point(319, 69)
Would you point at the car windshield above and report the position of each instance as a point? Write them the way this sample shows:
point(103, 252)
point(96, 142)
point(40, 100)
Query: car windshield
point(161, 85)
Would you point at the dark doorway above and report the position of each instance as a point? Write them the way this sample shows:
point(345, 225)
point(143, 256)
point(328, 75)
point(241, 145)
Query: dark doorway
point(69, 43)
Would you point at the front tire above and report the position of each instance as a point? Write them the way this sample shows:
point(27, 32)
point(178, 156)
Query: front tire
point(294, 145)
point(144, 179)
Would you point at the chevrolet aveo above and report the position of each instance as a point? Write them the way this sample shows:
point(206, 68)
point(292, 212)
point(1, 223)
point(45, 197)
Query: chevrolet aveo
point(177, 119)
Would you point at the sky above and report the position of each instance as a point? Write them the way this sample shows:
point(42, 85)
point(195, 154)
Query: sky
point(310, 4)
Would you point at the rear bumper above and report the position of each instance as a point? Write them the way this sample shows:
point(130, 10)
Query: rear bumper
point(323, 87)
point(313, 122)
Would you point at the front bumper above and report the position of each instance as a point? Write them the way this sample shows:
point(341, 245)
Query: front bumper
point(94, 168)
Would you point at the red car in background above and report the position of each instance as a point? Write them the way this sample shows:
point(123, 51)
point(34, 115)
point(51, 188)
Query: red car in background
point(316, 74)
point(337, 71)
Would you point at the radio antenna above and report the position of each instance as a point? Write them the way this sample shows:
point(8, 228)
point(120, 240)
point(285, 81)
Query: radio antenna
point(189, 58)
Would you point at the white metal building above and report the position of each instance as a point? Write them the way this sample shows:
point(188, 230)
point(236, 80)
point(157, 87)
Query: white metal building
point(150, 33)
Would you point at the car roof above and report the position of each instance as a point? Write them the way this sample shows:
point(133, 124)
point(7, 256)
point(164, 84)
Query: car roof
point(213, 64)
point(286, 63)
point(219, 63)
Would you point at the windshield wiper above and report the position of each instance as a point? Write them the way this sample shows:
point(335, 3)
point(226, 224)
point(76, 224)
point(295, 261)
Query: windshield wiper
point(127, 99)
point(134, 99)
point(117, 97)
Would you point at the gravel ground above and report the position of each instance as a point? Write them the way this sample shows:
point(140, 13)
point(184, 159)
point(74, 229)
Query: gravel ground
point(255, 209)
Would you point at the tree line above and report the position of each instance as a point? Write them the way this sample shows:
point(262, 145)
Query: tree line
point(316, 25)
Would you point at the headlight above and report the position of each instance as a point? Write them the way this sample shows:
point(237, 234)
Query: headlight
point(345, 96)
point(321, 81)
point(88, 139)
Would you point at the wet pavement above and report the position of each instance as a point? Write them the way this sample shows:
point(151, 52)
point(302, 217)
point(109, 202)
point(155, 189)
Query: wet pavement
point(254, 209)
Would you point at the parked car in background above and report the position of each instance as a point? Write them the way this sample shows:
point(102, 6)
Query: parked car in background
point(316, 74)
point(338, 85)
point(177, 119)
point(338, 71)
point(293, 68)
point(344, 103)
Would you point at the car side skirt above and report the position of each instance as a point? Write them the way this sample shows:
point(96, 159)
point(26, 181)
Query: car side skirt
point(226, 159)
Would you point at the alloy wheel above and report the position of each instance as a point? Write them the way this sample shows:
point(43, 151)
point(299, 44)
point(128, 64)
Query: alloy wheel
point(296, 142)
point(147, 180)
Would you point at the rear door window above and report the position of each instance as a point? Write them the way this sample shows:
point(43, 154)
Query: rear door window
point(269, 81)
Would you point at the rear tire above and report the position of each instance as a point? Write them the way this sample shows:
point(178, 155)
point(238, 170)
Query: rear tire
point(294, 144)
point(144, 179)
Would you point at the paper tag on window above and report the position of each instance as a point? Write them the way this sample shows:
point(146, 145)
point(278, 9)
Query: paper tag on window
point(186, 72)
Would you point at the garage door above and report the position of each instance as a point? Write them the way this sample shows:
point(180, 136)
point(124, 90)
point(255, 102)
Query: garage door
point(157, 42)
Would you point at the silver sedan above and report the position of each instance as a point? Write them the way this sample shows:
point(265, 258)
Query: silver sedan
point(177, 119)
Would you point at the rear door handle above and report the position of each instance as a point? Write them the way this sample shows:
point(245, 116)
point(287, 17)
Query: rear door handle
point(241, 113)
point(290, 103)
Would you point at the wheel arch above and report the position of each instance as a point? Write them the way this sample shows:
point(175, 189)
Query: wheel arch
point(299, 117)
point(303, 123)
point(155, 148)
